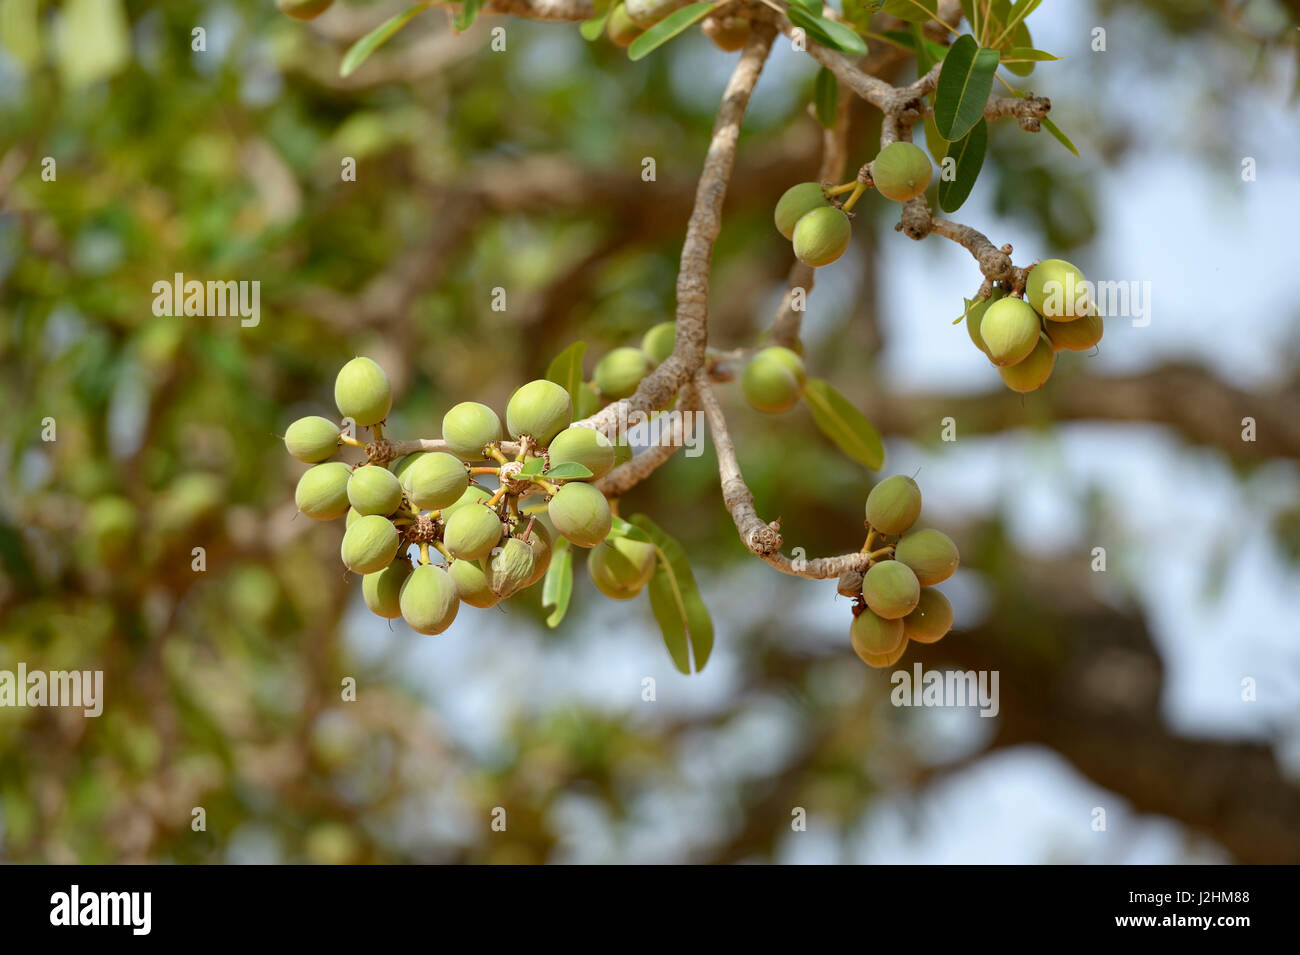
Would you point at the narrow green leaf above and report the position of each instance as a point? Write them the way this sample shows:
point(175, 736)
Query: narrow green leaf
point(622, 528)
point(913, 11)
point(937, 145)
point(557, 587)
point(565, 369)
point(827, 32)
point(826, 96)
point(844, 424)
point(593, 28)
point(468, 14)
point(1060, 137)
point(812, 6)
point(1020, 54)
point(675, 601)
point(667, 28)
point(361, 50)
point(968, 156)
point(964, 86)
point(569, 471)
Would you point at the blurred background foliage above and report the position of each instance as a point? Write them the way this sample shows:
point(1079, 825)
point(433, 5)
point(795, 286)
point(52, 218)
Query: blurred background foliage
point(479, 170)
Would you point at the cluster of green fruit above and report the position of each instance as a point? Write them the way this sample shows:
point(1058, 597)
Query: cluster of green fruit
point(818, 224)
point(491, 546)
point(1022, 336)
point(620, 370)
point(897, 602)
point(628, 20)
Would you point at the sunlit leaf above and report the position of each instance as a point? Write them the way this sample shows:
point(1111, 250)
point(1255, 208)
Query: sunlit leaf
point(676, 22)
point(361, 50)
point(964, 86)
point(844, 424)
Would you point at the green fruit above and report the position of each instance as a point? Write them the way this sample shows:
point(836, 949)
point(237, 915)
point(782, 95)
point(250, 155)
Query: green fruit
point(931, 554)
point(1010, 331)
point(1057, 291)
point(821, 236)
point(619, 372)
point(374, 490)
point(901, 171)
point(468, 427)
point(472, 532)
point(1032, 373)
point(894, 505)
point(882, 660)
point(428, 600)
point(382, 589)
point(581, 513)
point(370, 544)
point(619, 27)
point(362, 392)
point(353, 515)
point(646, 13)
point(727, 33)
point(891, 590)
point(303, 9)
point(620, 567)
point(510, 568)
point(622, 453)
point(773, 381)
point(435, 481)
point(540, 409)
point(322, 492)
point(540, 539)
point(875, 635)
point(471, 583)
point(473, 494)
point(400, 466)
point(1078, 335)
point(976, 315)
point(312, 439)
point(585, 446)
point(658, 342)
point(931, 619)
point(797, 202)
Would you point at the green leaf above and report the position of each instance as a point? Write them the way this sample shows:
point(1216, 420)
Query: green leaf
point(569, 471)
point(812, 6)
point(937, 145)
point(557, 587)
point(593, 28)
point(667, 28)
point(826, 96)
point(1060, 137)
point(565, 369)
point(468, 14)
point(964, 86)
point(827, 32)
point(913, 11)
point(1019, 54)
point(361, 50)
point(844, 424)
point(532, 467)
point(675, 600)
point(968, 154)
point(622, 528)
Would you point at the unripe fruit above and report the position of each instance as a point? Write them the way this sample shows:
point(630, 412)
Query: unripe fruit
point(773, 381)
point(901, 171)
point(312, 439)
point(473, 495)
point(871, 634)
point(400, 466)
point(362, 392)
point(471, 532)
point(619, 372)
point(435, 481)
point(976, 315)
point(428, 601)
point(931, 619)
point(352, 518)
point(620, 28)
point(510, 568)
point(467, 427)
point(370, 544)
point(303, 9)
point(894, 505)
point(1010, 331)
point(891, 590)
point(541, 409)
point(1078, 335)
point(821, 236)
point(374, 490)
point(1032, 373)
point(585, 446)
point(622, 453)
point(540, 540)
point(322, 492)
point(727, 33)
point(881, 660)
point(646, 13)
point(471, 583)
point(382, 589)
point(1056, 290)
point(931, 554)
point(580, 513)
point(659, 341)
point(795, 203)
point(620, 567)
